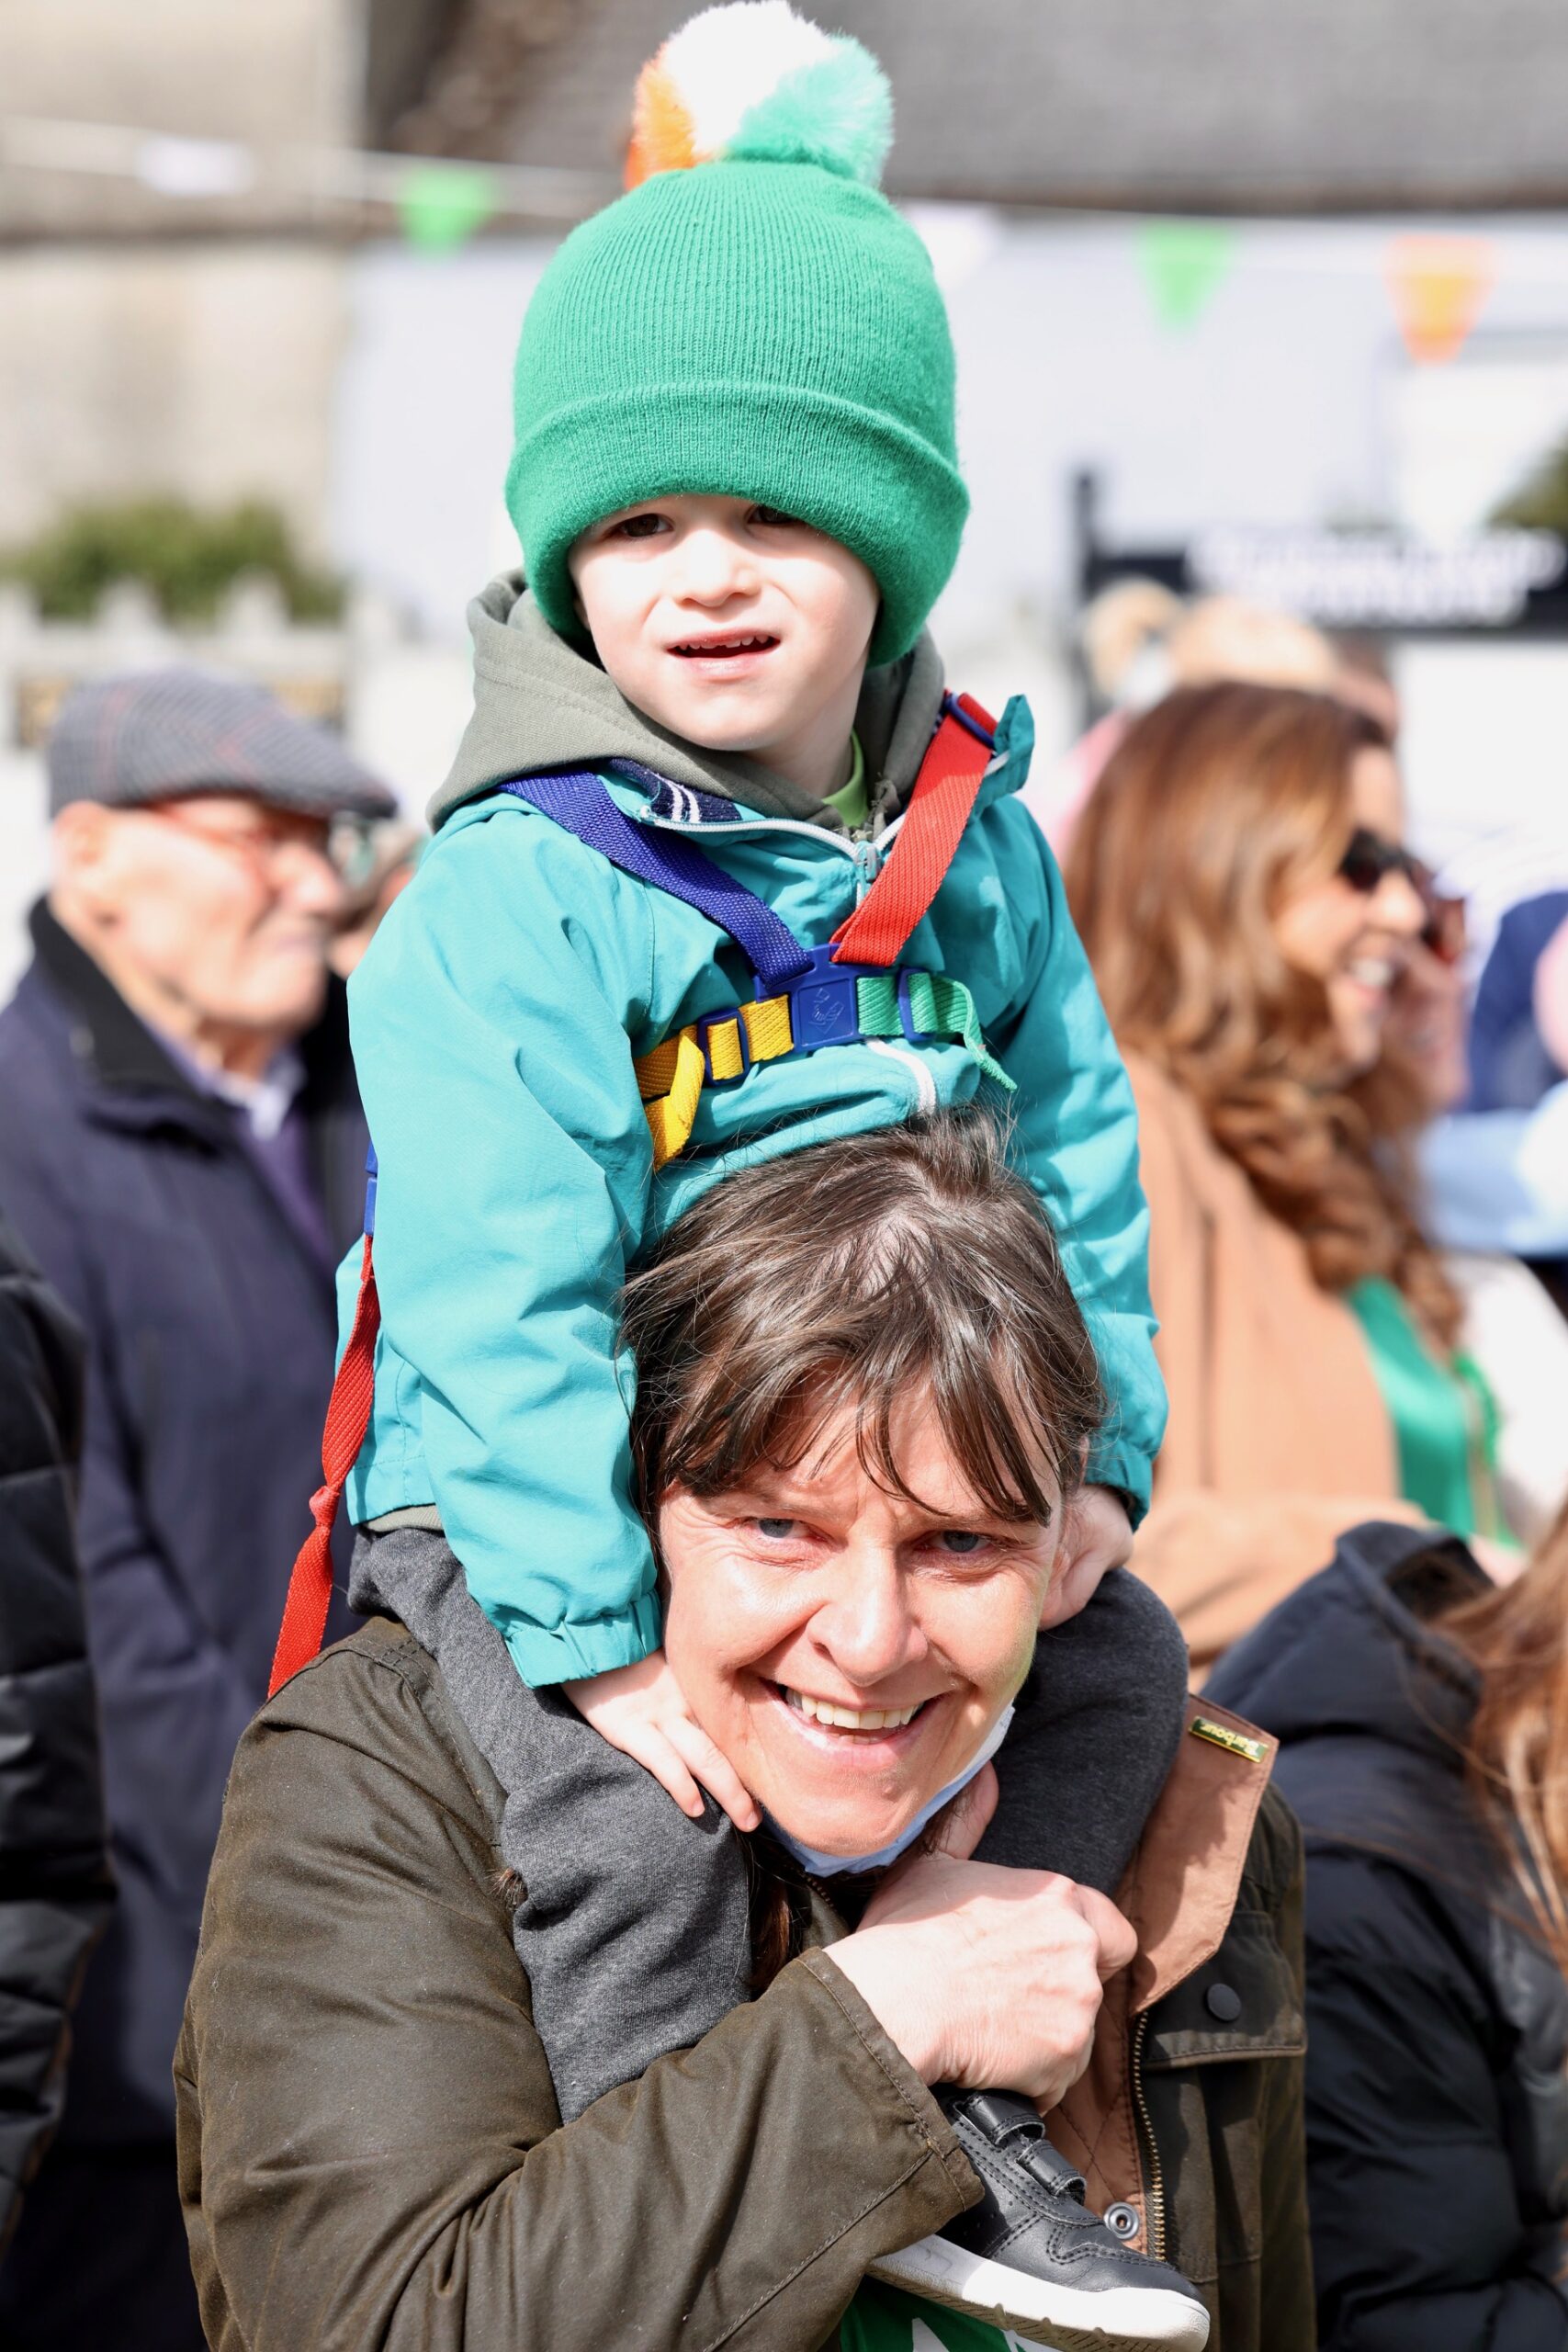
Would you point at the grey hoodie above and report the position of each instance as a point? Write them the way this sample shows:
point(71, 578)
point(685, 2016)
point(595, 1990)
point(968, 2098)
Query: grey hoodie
point(539, 703)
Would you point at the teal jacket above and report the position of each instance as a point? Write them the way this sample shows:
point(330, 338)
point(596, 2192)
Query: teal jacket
point(495, 1022)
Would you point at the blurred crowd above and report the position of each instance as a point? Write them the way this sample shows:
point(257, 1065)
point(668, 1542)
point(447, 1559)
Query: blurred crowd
point(1353, 1100)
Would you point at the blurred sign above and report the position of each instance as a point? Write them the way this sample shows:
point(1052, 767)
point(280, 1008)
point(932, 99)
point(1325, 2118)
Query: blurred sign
point(1394, 583)
point(1378, 579)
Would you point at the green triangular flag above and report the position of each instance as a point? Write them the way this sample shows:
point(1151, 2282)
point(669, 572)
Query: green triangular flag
point(442, 204)
point(1184, 261)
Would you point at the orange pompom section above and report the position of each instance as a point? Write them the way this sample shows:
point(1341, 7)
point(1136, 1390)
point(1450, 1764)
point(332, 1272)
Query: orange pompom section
point(662, 129)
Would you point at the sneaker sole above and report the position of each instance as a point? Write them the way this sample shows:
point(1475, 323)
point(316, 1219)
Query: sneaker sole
point(1068, 2318)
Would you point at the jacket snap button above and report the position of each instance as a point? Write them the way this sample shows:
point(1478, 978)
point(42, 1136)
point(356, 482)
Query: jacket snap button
point(1122, 2219)
point(1224, 2002)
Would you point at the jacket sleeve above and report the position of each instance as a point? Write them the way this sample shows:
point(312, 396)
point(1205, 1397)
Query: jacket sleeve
point(496, 1073)
point(369, 2147)
point(1498, 1180)
point(157, 1664)
point(1078, 1127)
point(1419, 2242)
point(54, 1882)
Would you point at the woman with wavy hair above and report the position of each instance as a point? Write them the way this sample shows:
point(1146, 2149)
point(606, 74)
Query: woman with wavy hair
point(1241, 886)
point(1423, 1716)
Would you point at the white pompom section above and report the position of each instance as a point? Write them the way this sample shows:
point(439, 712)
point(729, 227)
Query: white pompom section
point(730, 59)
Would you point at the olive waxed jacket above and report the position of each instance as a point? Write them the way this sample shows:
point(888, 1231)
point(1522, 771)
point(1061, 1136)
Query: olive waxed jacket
point(370, 2154)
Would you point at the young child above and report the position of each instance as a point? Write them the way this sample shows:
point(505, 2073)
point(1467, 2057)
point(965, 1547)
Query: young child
point(697, 737)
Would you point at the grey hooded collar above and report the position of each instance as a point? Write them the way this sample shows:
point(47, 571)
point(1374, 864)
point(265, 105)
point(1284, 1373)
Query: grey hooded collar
point(539, 703)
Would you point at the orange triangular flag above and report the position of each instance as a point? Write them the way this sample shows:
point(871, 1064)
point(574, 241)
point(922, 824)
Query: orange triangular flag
point(1439, 285)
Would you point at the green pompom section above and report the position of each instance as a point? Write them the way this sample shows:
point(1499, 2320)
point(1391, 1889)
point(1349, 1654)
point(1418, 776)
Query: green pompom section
point(837, 113)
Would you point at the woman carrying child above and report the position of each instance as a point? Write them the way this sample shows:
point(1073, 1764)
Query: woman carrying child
point(863, 1393)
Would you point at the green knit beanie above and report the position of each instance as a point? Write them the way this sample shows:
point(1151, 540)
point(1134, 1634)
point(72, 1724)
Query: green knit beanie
point(762, 326)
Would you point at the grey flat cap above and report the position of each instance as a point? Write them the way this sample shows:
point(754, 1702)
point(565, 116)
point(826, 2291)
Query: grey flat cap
point(155, 734)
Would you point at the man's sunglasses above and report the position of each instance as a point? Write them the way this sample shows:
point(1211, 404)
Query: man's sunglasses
point(1369, 857)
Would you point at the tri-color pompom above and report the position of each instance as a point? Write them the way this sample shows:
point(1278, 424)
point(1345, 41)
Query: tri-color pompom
point(752, 82)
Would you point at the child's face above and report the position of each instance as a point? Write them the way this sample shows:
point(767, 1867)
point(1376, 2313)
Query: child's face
point(732, 625)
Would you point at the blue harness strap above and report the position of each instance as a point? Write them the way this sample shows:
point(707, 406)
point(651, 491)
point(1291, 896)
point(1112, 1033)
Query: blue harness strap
point(579, 802)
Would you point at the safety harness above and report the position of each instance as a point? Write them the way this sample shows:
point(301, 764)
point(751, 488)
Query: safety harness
point(854, 989)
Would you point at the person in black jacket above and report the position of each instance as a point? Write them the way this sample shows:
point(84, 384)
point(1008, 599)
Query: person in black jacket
point(55, 1888)
point(182, 1148)
point(1424, 1720)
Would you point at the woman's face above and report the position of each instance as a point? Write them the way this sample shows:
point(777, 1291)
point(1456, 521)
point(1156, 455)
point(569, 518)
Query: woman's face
point(1357, 941)
point(849, 1650)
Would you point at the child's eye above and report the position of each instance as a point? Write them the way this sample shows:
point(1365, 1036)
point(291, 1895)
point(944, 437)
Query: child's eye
point(777, 1531)
point(639, 526)
point(772, 518)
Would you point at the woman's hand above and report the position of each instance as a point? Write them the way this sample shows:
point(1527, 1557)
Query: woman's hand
point(985, 1977)
point(640, 1709)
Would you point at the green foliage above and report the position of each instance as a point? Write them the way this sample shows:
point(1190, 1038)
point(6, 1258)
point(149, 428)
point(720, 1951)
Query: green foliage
point(1540, 501)
point(187, 556)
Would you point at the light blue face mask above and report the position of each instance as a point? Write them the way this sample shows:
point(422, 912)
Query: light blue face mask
point(831, 1865)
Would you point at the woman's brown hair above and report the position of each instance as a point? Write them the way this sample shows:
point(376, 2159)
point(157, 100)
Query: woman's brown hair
point(853, 1274)
point(1517, 1756)
point(1219, 802)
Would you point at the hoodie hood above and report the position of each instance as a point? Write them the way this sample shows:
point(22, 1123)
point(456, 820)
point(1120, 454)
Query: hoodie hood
point(539, 703)
point(1356, 1652)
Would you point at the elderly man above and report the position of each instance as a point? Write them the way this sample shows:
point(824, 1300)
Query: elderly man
point(182, 1148)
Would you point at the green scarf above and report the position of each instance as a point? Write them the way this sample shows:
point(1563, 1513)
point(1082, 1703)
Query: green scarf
point(1445, 1419)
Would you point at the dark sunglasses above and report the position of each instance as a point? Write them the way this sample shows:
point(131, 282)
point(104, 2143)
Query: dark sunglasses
point(1368, 858)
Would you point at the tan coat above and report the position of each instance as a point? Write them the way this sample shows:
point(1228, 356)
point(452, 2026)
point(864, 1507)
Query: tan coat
point(1279, 1438)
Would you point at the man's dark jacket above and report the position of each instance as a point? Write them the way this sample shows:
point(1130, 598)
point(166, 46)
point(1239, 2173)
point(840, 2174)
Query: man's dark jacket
point(54, 1880)
point(1437, 2094)
point(210, 1322)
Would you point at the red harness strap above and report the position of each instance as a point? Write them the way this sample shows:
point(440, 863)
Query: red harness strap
point(879, 929)
point(348, 1418)
point(875, 933)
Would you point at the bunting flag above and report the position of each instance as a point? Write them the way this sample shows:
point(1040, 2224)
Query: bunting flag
point(1439, 285)
point(1184, 262)
point(442, 205)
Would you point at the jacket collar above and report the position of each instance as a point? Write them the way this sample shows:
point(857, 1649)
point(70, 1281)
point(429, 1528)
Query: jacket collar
point(136, 1076)
point(1182, 1884)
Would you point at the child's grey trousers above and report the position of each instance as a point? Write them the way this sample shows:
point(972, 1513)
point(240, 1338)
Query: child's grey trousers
point(634, 1927)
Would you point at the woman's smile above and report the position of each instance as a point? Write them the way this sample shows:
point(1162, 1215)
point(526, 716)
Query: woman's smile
point(866, 1738)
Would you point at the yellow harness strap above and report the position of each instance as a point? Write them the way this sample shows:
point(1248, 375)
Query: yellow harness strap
point(670, 1079)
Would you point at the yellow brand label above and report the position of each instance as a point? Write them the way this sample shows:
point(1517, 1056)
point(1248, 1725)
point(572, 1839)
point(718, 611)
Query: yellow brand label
point(1254, 1750)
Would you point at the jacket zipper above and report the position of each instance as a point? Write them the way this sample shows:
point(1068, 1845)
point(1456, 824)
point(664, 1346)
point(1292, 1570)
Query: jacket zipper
point(1154, 2199)
point(739, 831)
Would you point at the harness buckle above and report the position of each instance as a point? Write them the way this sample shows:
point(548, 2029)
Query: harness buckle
point(705, 1029)
point(824, 1003)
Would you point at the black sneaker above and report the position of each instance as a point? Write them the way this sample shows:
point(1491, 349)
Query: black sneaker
point(1031, 2257)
